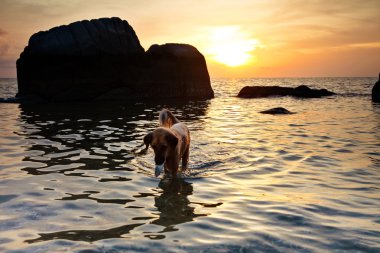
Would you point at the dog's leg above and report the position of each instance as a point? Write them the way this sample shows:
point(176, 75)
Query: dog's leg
point(171, 166)
point(174, 172)
point(185, 158)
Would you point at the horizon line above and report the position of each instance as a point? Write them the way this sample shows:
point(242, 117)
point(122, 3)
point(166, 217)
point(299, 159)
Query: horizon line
point(221, 77)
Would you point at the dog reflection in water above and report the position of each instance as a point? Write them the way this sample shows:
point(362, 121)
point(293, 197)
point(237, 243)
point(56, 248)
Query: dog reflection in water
point(170, 143)
point(173, 204)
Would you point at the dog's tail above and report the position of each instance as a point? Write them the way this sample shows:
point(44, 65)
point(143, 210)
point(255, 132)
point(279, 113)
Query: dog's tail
point(167, 119)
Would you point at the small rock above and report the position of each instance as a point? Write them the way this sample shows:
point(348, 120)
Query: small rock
point(301, 91)
point(277, 110)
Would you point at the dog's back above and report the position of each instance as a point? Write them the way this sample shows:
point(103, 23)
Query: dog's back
point(167, 119)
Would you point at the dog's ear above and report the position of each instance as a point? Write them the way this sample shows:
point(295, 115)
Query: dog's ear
point(172, 140)
point(148, 139)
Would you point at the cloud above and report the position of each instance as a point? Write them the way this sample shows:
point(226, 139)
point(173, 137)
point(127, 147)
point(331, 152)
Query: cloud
point(42, 8)
point(3, 32)
point(4, 47)
point(4, 44)
point(7, 67)
point(365, 45)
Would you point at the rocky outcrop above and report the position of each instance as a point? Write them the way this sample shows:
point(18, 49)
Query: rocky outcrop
point(175, 70)
point(301, 91)
point(103, 59)
point(376, 91)
point(276, 111)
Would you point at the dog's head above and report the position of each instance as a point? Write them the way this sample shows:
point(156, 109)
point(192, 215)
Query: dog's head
point(163, 142)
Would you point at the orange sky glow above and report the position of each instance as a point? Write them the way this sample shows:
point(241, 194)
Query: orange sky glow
point(240, 38)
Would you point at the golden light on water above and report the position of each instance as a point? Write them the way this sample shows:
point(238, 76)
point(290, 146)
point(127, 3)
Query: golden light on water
point(230, 46)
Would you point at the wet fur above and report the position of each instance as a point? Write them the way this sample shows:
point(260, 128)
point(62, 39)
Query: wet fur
point(170, 142)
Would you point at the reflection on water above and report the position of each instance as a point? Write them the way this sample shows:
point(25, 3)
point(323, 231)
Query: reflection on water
point(172, 206)
point(88, 196)
point(73, 136)
point(87, 235)
point(92, 144)
point(74, 177)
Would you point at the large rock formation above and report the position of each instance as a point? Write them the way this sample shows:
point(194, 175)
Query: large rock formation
point(301, 91)
point(376, 91)
point(103, 59)
point(175, 70)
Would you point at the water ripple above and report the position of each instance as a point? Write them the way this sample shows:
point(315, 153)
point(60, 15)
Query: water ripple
point(75, 177)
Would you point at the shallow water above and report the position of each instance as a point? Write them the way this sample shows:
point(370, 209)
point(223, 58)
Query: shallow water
point(74, 177)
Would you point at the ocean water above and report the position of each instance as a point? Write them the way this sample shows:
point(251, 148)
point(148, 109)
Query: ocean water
point(74, 178)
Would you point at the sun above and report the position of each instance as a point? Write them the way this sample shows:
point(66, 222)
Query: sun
point(230, 46)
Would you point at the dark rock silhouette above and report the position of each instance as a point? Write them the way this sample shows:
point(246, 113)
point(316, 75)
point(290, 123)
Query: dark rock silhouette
point(301, 91)
point(277, 110)
point(376, 91)
point(102, 59)
point(175, 70)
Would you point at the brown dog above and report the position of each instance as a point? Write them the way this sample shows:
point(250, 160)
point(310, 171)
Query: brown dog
point(170, 142)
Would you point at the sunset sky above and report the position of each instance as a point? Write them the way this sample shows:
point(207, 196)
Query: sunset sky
point(239, 38)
